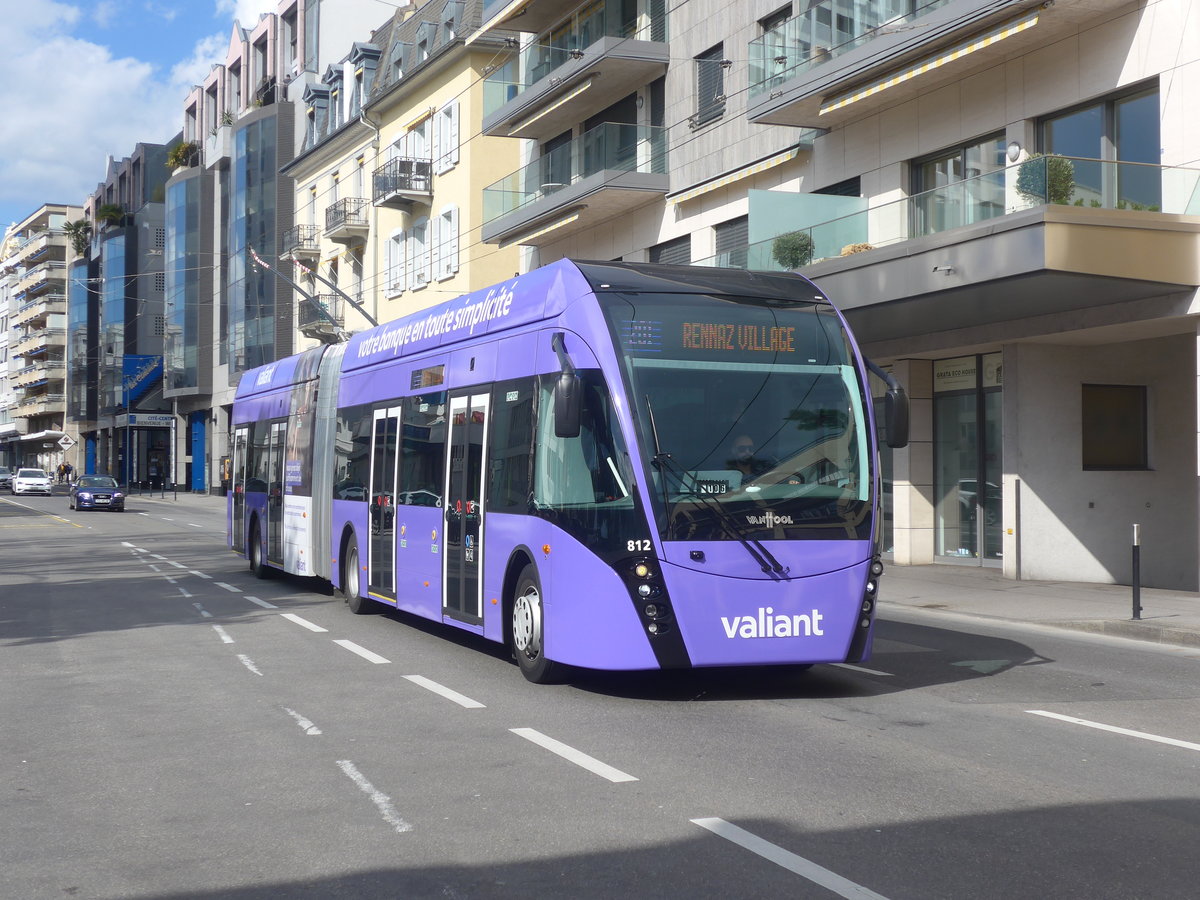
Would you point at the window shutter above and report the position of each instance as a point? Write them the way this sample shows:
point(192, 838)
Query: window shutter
point(453, 150)
point(447, 263)
point(435, 244)
point(452, 228)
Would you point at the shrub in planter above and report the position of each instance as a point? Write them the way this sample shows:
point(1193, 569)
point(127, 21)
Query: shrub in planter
point(793, 250)
point(1046, 179)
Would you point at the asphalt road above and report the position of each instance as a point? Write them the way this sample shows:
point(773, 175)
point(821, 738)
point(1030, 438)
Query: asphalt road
point(173, 727)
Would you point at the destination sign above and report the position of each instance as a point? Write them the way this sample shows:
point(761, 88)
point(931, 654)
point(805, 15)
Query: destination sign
point(738, 338)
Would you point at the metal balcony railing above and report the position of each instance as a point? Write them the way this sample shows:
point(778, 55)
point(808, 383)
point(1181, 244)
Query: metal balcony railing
point(299, 240)
point(350, 212)
point(402, 175)
point(324, 313)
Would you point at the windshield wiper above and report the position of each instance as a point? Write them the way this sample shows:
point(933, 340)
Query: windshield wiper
point(665, 463)
point(766, 561)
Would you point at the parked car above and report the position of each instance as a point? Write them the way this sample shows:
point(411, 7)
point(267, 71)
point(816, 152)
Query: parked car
point(5, 477)
point(31, 481)
point(97, 492)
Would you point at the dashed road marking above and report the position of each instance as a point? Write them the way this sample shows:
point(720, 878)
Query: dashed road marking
point(805, 868)
point(1158, 739)
point(381, 800)
point(593, 765)
point(366, 654)
point(292, 617)
point(430, 685)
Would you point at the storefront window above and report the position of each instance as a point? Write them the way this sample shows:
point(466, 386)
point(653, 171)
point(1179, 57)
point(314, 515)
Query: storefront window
point(968, 464)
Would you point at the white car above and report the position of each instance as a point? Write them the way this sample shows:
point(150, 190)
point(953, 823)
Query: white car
point(31, 481)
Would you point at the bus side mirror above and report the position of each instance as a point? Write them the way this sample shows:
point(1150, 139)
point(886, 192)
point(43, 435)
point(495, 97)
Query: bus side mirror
point(895, 417)
point(568, 401)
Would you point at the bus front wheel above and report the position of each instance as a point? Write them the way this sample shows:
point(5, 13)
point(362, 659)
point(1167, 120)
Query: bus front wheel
point(527, 630)
point(350, 583)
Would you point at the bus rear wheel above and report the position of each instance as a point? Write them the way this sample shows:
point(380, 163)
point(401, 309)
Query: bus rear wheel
point(257, 567)
point(350, 583)
point(527, 630)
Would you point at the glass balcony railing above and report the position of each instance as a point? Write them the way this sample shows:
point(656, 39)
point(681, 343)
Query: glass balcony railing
point(564, 42)
point(823, 31)
point(607, 147)
point(1060, 180)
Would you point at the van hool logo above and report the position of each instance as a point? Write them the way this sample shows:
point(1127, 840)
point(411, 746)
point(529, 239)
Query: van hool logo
point(768, 624)
point(769, 519)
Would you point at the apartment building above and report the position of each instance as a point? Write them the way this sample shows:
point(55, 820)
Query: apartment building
point(116, 323)
point(387, 205)
point(33, 308)
point(1002, 196)
point(225, 198)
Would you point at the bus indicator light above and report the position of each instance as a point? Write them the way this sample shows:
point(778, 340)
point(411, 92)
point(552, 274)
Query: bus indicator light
point(546, 549)
point(641, 570)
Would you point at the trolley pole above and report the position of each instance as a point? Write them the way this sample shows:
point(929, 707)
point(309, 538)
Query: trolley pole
point(1137, 571)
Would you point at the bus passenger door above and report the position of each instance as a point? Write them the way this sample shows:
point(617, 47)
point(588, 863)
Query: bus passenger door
point(237, 529)
point(381, 556)
point(275, 493)
point(463, 598)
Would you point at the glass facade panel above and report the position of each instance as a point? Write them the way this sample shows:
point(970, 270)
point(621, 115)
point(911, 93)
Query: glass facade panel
point(112, 320)
point(182, 265)
point(252, 225)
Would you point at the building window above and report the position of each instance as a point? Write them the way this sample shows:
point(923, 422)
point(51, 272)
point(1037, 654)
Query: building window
point(396, 270)
point(710, 85)
point(445, 237)
point(419, 254)
point(733, 242)
point(1115, 431)
point(445, 138)
point(959, 186)
point(677, 252)
point(777, 18)
point(1101, 136)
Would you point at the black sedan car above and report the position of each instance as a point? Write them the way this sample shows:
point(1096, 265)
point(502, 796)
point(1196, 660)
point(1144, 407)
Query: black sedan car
point(97, 492)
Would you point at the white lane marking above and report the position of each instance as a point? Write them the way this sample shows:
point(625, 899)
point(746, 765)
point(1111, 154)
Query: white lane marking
point(158, 556)
point(169, 579)
point(165, 519)
point(194, 525)
point(204, 612)
point(832, 881)
point(249, 663)
point(308, 726)
point(1174, 742)
point(199, 574)
point(228, 587)
point(186, 592)
point(153, 567)
point(126, 544)
point(361, 651)
point(292, 617)
point(460, 699)
point(140, 550)
point(381, 800)
point(147, 515)
point(225, 638)
point(572, 755)
point(177, 565)
point(263, 603)
point(861, 669)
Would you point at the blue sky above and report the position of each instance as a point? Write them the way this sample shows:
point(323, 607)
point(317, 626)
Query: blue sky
point(88, 80)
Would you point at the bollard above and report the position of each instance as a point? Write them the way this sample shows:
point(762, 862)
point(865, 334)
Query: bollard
point(1137, 571)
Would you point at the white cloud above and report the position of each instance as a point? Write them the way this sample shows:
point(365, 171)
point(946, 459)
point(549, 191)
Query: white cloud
point(73, 103)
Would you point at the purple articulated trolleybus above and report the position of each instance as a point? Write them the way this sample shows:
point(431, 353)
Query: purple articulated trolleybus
point(607, 465)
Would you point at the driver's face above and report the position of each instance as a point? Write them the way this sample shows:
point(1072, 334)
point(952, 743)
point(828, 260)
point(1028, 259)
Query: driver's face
point(743, 449)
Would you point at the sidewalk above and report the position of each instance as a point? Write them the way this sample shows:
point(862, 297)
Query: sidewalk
point(1168, 617)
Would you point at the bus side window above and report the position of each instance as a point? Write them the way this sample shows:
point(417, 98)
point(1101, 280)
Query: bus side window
point(584, 470)
point(423, 436)
point(511, 446)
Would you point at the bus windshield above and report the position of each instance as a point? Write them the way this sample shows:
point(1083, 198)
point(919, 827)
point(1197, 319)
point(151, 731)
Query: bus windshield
point(751, 414)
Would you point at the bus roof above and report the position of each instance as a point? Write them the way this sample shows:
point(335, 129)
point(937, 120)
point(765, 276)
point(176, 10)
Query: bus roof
point(523, 299)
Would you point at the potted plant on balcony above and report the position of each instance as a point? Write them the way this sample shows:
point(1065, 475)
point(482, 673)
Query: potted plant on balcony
point(80, 232)
point(182, 155)
point(793, 250)
point(1046, 179)
point(110, 214)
